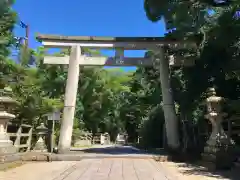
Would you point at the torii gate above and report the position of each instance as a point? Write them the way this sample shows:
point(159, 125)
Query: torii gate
point(120, 44)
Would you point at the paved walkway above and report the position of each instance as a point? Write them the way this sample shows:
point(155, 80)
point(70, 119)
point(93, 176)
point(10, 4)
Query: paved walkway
point(88, 169)
point(110, 163)
point(120, 164)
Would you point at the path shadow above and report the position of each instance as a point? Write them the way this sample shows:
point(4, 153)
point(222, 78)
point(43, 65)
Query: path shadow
point(195, 169)
point(114, 150)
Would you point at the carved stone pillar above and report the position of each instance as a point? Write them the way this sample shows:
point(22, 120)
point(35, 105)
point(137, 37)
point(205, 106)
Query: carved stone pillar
point(219, 148)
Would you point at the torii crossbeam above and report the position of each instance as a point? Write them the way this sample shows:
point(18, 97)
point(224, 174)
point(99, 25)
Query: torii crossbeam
point(119, 44)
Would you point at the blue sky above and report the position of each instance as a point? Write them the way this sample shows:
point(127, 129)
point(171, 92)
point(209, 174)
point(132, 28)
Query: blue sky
point(86, 18)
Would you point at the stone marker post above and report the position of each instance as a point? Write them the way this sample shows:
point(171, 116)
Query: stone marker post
point(52, 118)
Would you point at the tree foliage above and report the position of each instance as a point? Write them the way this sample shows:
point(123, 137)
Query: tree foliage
point(214, 27)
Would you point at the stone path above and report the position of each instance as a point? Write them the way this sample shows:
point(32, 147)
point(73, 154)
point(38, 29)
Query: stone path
point(89, 169)
point(109, 163)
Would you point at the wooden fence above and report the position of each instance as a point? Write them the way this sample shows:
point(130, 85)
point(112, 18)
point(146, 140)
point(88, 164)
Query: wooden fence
point(96, 139)
point(84, 140)
point(21, 135)
point(89, 139)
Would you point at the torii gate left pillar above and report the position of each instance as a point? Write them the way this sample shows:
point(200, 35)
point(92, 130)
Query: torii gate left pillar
point(70, 100)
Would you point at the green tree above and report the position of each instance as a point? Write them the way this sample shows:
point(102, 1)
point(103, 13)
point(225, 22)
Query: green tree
point(7, 21)
point(216, 60)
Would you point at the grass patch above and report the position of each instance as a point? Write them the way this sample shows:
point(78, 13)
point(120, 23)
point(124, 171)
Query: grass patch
point(11, 165)
point(82, 146)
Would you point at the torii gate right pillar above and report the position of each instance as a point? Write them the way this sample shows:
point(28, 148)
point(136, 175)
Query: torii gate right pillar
point(168, 102)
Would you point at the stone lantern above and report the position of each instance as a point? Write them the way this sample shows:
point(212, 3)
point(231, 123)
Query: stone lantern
point(40, 146)
point(218, 149)
point(6, 102)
